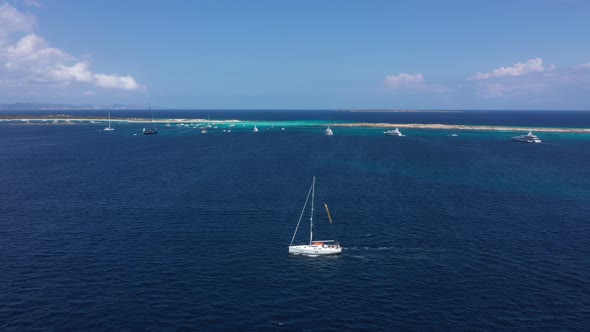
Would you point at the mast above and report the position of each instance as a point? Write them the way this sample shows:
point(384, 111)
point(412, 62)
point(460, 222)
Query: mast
point(311, 217)
point(109, 119)
point(152, 114)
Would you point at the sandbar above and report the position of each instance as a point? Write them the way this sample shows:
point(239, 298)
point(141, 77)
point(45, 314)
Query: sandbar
point(438, 126)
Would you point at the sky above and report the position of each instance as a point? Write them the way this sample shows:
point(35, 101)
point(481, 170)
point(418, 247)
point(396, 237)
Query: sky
point(328, 54)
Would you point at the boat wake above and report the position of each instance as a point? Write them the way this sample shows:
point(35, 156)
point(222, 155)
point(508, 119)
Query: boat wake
point(377, 253)
point(368, 248)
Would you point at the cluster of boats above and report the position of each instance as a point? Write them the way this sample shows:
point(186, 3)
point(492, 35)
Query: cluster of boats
point(393, 132)
point(528, 138)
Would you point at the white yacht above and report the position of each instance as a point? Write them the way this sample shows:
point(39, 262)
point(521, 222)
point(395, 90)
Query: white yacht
point(109, 128)
point(315, 247)
point(328, 132)
point(394, 132)
point(255, 129)
point(528, 138)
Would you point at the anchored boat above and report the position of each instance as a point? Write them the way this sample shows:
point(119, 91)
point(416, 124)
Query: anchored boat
point(151, 131)
point(109, 128)
point(528, 138)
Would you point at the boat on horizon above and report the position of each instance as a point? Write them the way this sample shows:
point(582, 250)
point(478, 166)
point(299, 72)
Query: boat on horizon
point(109, 128)
point(393, 132)
point(255, 129)
point(528, 138)
point(315, 247)
point(151, 131)
point(329, 132)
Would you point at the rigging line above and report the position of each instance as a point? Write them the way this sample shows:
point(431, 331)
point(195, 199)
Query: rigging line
point(301, 216)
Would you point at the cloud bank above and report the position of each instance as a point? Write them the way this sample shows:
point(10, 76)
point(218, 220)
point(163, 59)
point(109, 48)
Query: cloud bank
point(403, 80)
point(529, 79)
point(524, 82)
point(29, 61)
point(518, 69)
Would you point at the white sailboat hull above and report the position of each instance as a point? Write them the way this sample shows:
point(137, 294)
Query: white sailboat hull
point(315, 250)
point(315, 247)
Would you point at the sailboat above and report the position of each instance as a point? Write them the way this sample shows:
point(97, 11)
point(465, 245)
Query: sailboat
point(315, 247)
point(151, 131)
point(328, 132)
point(255, 129)
point(109, 128)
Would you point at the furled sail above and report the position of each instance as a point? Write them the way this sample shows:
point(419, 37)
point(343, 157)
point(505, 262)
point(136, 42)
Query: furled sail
point(328, 212)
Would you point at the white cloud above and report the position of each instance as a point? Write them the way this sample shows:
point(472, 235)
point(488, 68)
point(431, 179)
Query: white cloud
point(586, 65)
point(33, 3)
point(11, 20)
point(518, 69)
point(30, 60)
point(78, 72)
point(33, 50)
point(402, 80)
point(116, 82)
point(88, 93)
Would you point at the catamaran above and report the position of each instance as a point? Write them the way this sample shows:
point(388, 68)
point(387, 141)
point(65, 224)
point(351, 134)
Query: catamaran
point(109, 128)
point(329, 132)
point(315, 247)
point(151, 131)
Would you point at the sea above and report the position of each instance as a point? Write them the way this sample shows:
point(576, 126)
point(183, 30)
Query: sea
point(117, 231)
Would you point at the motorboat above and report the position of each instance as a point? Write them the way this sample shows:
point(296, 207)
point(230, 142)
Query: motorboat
point(528, 138)
point(393, 132)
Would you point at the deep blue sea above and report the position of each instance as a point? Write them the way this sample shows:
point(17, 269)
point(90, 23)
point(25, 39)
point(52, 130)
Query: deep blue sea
point(189, 231)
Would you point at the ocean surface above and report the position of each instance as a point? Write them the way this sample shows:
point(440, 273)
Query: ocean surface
point(189, 231)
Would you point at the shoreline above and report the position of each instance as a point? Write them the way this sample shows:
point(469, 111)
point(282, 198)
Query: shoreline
point(67, 120)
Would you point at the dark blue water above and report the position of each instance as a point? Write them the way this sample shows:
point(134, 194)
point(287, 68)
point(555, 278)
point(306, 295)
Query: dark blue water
point(110, 231)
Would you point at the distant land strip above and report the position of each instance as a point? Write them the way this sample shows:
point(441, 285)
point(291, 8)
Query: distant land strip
point(459, 127)
point(68, 119)
point(407, 111)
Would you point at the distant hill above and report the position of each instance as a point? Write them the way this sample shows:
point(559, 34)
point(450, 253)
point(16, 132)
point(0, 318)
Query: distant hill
point(48, 106)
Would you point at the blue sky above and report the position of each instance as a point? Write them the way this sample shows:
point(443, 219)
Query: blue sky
point(298, 54)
